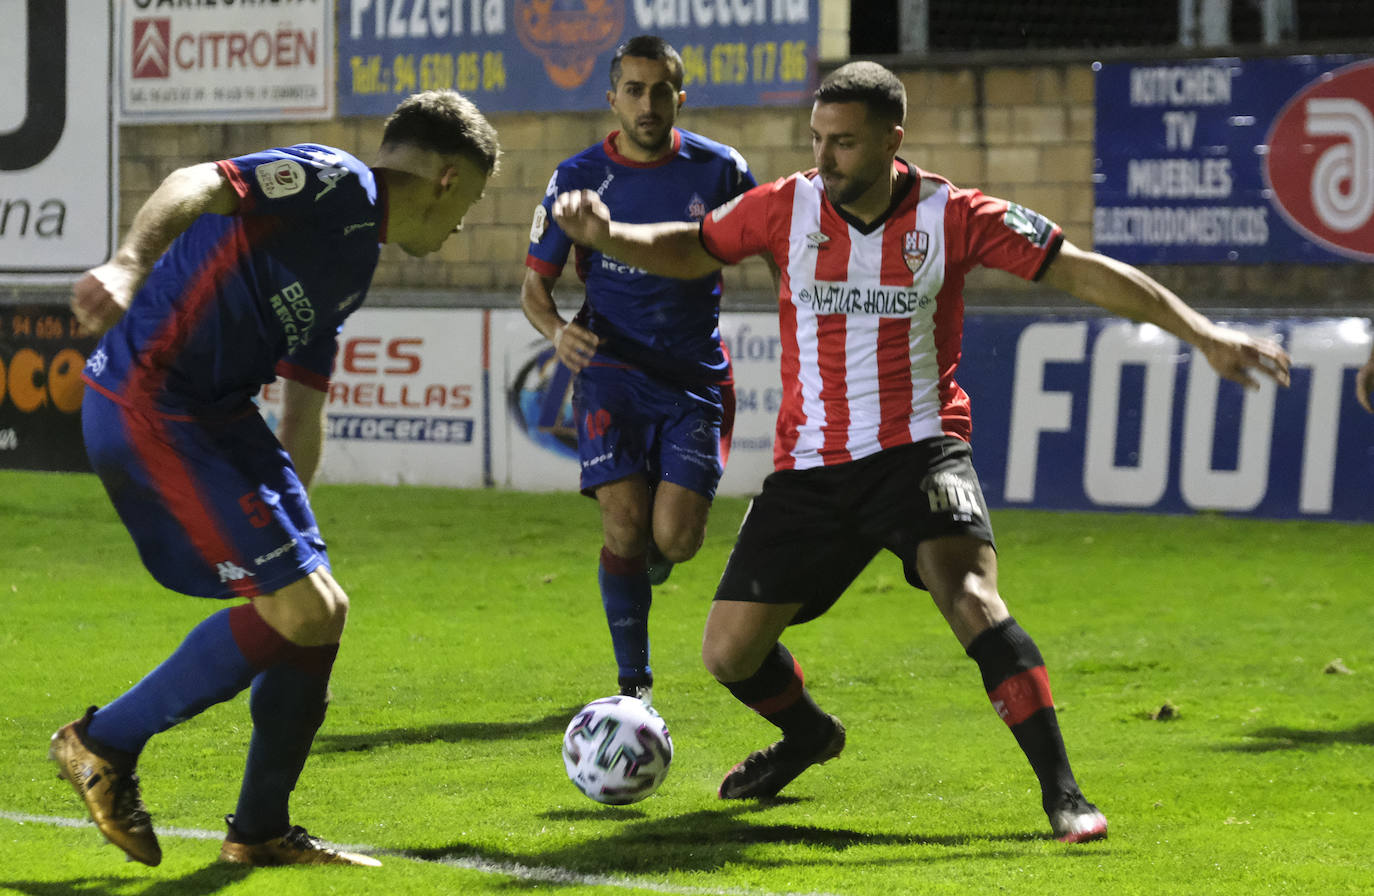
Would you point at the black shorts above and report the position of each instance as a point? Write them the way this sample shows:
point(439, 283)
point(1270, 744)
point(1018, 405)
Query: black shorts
point(809, 533)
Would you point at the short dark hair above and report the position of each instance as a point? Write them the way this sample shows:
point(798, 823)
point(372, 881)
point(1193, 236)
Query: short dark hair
point(648, 46)
point(445, 122)
point(868, 83)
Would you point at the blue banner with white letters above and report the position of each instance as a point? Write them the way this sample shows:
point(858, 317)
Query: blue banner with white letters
point(1099, 413)
point(554, 55)
point(1244, 160)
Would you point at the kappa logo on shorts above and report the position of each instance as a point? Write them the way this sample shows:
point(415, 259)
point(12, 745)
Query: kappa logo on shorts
point(229, 571)
point(951, 494)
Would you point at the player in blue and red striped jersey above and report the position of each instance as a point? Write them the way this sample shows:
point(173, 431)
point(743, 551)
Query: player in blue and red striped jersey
point(652, 395)
point(234, 272)
point(872, 444)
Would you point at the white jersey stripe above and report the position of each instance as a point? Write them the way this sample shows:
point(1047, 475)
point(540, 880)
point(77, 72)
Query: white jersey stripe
point(861, 348)
point(925, 371)
point(804, 239)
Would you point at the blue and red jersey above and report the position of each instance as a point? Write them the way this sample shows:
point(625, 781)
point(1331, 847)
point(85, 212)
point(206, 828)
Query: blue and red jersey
point(237, 299)
point(665, 326)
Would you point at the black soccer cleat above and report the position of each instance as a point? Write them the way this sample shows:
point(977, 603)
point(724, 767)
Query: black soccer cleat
point(642, 689)
point(765, 772)
point(1075, 820)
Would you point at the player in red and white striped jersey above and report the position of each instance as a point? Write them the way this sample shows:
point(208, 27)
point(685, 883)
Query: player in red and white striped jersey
point(871, 447)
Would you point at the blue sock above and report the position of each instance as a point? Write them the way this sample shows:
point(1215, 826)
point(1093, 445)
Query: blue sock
point(288, 707)
point(208, 667)
point(626, 595)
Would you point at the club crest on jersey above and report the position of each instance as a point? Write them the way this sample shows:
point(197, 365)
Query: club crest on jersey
point(696, 208)
point(281, 178)
point(915, 246)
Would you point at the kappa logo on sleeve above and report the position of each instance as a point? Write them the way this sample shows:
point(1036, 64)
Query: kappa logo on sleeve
point(282, 178)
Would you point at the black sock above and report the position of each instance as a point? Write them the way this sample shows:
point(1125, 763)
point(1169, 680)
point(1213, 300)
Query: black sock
point(288, 706)
point(777, 691)
point(1015, 679)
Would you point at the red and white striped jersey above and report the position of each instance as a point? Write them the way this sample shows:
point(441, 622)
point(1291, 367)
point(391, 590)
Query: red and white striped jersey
point(871, 317)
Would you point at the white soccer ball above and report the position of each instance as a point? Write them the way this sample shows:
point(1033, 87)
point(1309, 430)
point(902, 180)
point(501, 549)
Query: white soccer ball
point(617, 750)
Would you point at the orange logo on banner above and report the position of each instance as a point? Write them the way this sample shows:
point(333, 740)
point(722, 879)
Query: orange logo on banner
point(568, 35)
point(33, 382)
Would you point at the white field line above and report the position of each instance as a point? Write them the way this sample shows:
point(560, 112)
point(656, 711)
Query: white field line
point(536, 873)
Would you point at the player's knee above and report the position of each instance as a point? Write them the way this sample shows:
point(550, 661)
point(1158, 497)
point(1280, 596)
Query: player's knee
point(681, 544)
point(311, 611)
point(725, 663)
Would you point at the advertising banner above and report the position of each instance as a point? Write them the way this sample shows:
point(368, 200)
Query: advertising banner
point(1081, 413)
point(41, 358)
point(1248, 160)
point(59, 147)
point(536, 449)
point(538, 55)
point(406, 403)
point(1070, 413)
point(226, 61)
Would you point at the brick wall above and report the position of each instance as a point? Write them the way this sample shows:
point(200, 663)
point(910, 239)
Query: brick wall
point(1022, 132)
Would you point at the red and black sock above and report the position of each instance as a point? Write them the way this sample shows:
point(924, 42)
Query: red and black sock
point(1019, 688)
point(777, 691)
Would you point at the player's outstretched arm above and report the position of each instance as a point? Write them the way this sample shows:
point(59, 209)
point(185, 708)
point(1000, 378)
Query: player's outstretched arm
point(103, 293)
point(669, 249)
point(1364, 384)
point(1130, 292)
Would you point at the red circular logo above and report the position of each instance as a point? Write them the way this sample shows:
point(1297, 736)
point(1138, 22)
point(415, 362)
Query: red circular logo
point(1320, 165)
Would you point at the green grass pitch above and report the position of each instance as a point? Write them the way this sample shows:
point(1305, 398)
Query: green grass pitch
point(476, 631)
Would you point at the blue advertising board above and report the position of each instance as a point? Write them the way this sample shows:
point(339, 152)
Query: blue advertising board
point(554, 55)
point(1099, 413)
point(1236, 160)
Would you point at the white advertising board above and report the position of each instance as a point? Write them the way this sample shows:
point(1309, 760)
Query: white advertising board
point(217, 61)
point(534, 442)
point(58, 143)
point(405, 403)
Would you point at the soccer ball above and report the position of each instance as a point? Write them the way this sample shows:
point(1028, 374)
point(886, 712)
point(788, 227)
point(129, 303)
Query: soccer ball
point(617, 750)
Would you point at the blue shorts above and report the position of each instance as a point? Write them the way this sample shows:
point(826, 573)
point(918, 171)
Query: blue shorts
point(629, 422)
point(214, 507)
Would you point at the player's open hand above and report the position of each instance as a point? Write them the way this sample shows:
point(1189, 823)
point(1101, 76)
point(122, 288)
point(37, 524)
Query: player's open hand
point(1364, 385)
point(1236, 356)
point(101, 296)
point(583, 217)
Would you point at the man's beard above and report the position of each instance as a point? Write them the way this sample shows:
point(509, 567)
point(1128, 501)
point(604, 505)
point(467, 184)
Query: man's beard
point(660, 143)
point(846, 192)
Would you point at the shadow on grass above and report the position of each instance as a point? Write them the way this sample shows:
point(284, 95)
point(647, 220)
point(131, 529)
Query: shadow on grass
point(693, 842)
point(455, 732)
point(1279, 738)
point(207, 880)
